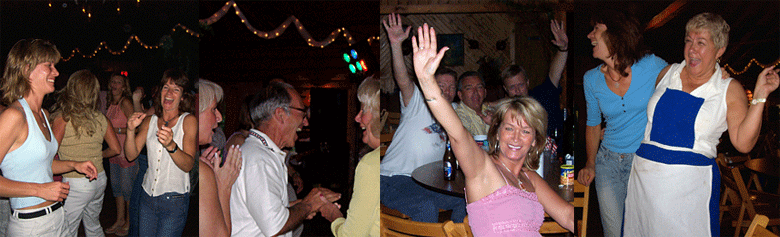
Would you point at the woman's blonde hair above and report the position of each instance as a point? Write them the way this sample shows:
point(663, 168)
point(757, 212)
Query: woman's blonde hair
point(125, 91)
point(713, 23)
point(368, 95)
point(77, 102)
point(535, 116)
point(23, 57)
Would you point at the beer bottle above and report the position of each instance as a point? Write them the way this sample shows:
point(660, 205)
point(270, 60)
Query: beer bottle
point(449, 163)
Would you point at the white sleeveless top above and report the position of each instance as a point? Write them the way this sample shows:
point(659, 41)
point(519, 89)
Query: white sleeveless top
point(710, 121)
point(163, 175)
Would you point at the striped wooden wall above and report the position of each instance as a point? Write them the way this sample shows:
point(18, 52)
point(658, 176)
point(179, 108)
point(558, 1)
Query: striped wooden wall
point(486, 28)
point(530, 50)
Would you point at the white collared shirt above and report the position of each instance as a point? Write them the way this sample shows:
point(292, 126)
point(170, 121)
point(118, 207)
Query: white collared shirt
point(259, 200)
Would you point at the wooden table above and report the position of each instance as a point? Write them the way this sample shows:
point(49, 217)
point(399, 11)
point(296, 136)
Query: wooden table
point(431, 176)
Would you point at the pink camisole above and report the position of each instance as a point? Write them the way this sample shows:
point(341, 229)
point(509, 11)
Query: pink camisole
point(508, 211)
point(118, 120)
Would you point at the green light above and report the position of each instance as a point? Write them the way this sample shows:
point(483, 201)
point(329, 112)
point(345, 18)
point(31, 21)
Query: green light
point(359, 67)
point(352, 68)
point(346, 57)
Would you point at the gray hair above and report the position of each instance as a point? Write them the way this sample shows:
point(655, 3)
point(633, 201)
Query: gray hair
point(274, 96)
point(208, 92)
point(714, 24)
point(368, 95)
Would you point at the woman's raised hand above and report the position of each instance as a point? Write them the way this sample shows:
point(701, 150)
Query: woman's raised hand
point(135, 120)
point(426, 59)
point(767, 82)
point(227, 173)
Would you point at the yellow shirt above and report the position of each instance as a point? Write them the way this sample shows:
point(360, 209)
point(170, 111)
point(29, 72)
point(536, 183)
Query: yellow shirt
point(363, 214)
point(471, 121)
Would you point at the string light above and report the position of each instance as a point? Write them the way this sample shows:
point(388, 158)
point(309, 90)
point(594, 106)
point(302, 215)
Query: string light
point(104, 45)
point(732, 71)
point(281, 28)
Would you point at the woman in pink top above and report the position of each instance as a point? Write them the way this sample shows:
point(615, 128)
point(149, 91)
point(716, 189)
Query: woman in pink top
point(122, 172)
point(505, 195)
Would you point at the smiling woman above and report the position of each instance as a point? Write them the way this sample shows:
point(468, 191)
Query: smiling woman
point(28, 145)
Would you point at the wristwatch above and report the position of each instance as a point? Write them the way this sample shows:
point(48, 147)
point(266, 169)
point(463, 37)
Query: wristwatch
point(755, 101)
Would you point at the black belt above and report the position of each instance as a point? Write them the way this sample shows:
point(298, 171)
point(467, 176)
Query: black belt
point(42, 212)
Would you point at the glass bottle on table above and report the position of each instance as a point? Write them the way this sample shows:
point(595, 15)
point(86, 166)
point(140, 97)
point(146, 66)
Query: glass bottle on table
point(449, 163)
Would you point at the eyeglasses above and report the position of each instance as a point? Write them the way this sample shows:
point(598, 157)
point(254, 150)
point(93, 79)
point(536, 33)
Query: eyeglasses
point(305, 111)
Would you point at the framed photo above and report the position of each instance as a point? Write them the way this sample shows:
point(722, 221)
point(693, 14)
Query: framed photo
point(454, 56)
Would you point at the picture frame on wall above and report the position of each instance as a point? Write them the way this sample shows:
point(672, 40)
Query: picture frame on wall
point(454, 56)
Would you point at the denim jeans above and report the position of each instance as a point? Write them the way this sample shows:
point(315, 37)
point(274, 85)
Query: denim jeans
point(135, 197)
point(612, 172)
point(401, 193)
point(163, 215)
point(122, 180)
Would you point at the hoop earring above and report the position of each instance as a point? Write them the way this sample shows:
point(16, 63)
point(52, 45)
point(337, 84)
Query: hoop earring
point(718, 60)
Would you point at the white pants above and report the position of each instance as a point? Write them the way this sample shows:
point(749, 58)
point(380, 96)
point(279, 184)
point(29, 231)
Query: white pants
point(5, 215)
point(49, 225)
point(84, 202)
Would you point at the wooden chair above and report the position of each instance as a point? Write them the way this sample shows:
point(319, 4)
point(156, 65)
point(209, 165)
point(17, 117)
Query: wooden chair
point(395, 223)
point(552, 227)
point(758, 227)
point(395, 226)
point(748, 202)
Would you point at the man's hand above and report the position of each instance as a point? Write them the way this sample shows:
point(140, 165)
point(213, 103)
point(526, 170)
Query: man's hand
point(395, 30)
point(331, 211)
point(559, 32)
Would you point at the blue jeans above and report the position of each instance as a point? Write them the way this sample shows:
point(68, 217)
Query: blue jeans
point(135, 197)
point(612, 172)
point(401, 193)
point(163, 215)
point(122, 180)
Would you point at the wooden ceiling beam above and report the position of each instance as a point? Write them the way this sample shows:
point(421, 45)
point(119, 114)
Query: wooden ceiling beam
point(489, 7)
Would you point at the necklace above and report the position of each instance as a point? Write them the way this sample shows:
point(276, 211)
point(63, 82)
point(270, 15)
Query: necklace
point(519, 183)
point(169, 120)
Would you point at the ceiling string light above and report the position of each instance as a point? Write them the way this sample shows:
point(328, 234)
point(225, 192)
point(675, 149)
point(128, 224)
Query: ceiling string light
point(281, 28)
point(104, 45)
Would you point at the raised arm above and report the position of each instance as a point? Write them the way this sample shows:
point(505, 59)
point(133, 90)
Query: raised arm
point(137, 127)
point(426, 61)
point(744, 123)
point(559, 60)
point(396, 34)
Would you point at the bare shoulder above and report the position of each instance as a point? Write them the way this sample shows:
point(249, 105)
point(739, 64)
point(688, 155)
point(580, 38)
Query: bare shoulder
point(13, 116)
point(190, 121)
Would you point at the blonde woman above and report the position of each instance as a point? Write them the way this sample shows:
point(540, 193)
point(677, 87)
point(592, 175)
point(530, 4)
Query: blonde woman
point(27, 145)
point(81, 129)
